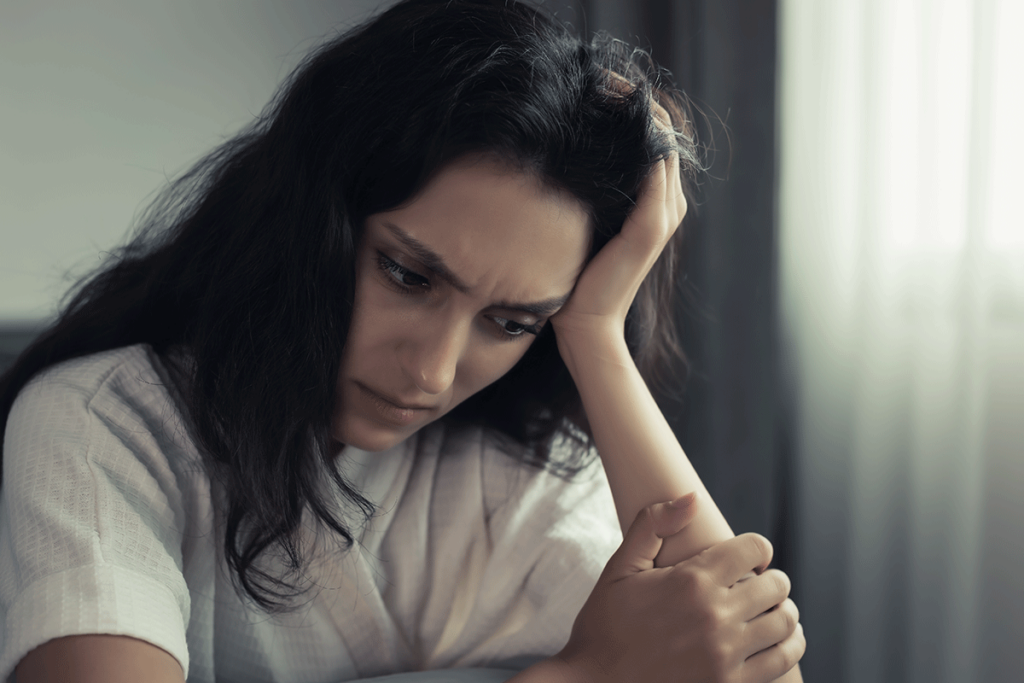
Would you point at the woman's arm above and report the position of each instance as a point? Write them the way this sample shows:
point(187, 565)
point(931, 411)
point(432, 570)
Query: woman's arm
point(642, 457)
point(98, 658)
point(643, 460)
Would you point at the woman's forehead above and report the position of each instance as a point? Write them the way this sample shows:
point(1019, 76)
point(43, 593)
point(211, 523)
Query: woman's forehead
point(494, 227)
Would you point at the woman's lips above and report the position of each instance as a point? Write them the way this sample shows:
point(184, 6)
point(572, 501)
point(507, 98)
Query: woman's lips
point(390, 410)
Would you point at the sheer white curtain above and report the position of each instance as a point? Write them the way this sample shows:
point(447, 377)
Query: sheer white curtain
point(902, 293)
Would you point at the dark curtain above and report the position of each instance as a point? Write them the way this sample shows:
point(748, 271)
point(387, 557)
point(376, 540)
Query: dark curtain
point(730, 417)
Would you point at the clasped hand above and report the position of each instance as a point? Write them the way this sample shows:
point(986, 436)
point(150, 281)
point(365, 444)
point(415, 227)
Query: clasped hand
point(696, 622)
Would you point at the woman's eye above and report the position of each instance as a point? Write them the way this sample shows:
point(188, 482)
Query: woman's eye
point(510, 329)
point(399, 276)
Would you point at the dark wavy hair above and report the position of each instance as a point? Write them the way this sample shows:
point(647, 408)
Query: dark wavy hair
point(244, 266)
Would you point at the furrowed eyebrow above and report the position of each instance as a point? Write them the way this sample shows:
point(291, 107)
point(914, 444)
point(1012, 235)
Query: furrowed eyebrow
point(541, 309)
point(433, 262)
point(428, 257)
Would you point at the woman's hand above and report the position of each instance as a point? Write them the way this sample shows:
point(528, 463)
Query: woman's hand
point(609, 283)
point(694, 622)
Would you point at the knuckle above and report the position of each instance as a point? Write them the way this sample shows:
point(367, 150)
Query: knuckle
point(761, 545)
point(791, 651)
point(720, 656)
point(781, 582)
point(692, 580)
point(795, 652)
point(646, 515)
point(660, 112)
point(698, 594)
point(789, 618)
point(715, 618)
point(795, 610)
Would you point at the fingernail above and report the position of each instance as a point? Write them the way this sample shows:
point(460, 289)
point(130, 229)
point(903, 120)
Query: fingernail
point(683, 501)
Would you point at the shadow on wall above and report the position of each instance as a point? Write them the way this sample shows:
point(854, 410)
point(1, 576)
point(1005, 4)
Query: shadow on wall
point(14, 337)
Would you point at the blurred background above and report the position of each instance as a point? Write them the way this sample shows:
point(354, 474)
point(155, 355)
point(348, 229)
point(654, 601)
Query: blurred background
point(854, 309)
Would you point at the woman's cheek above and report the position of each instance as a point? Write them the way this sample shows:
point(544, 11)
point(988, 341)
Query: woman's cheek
point(499, 359)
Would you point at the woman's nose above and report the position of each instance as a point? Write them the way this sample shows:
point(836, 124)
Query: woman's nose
point(431, 355)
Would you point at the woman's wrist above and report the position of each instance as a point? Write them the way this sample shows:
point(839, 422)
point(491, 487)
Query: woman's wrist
point(604, 343)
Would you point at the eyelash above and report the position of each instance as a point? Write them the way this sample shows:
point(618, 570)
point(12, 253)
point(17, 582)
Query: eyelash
point(396, 274)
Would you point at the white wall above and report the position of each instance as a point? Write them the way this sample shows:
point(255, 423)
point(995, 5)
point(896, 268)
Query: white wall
point(102, 100)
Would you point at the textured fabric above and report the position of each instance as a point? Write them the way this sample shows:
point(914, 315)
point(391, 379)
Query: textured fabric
point(110, 524)
point(448, 676)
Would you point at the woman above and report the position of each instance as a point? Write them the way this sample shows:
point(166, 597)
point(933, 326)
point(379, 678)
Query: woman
point(451, 240)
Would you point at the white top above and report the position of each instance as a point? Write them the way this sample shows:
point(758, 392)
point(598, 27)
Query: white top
point(108, 525)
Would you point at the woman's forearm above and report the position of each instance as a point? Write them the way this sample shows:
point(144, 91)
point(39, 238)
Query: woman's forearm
point(642, 457)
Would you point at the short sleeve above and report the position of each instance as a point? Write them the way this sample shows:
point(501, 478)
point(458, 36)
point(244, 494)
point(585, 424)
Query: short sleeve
point(90, 520)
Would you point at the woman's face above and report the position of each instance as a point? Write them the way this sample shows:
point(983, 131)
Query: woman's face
point(450, 291)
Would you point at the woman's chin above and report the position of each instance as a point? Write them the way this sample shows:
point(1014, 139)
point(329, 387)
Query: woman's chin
point(370, 437)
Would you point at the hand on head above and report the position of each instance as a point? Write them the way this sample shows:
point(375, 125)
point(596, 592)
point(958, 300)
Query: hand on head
point(606, 288)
